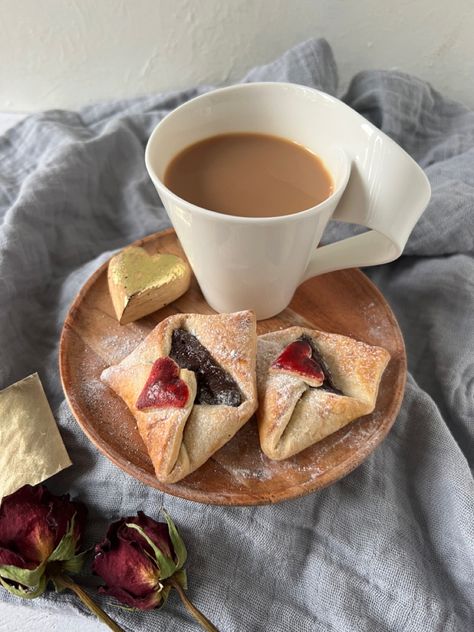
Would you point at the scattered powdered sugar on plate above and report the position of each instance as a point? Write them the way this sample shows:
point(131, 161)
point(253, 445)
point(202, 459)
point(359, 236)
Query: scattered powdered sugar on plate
point(248, 465)
point(117, 347)
point(378, 330)
point(102, 407)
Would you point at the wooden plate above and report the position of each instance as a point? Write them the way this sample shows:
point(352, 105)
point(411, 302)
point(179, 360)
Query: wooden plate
point(343, 302)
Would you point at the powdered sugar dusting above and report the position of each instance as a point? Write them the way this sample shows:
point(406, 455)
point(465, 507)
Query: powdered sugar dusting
point(378, 330)
point(110, 417)
point(117, 347)
point(251, 469)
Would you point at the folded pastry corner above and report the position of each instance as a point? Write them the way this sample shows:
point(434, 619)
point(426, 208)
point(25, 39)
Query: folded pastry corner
point(310, 384)
point(190, 386)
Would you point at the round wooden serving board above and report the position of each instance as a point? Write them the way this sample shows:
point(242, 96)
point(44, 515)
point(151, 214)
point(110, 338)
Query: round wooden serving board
point(344, 302)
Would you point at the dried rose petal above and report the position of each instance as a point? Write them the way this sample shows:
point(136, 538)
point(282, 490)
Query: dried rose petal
point(130, 575)
point(156, 531)
point(33, 522)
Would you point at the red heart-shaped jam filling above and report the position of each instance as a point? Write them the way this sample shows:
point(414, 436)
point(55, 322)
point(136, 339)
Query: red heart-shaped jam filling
point(296, 358)
point(164, 388)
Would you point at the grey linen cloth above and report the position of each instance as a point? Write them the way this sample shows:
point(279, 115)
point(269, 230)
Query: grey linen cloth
point(389, 547)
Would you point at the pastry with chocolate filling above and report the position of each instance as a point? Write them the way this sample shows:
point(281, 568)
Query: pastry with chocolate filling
point(190, 386)
point(310, 384)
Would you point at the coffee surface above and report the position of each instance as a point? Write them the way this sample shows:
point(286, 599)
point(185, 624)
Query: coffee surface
point(249, 175)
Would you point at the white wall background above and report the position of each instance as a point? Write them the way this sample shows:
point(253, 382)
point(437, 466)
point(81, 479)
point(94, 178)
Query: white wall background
point(65, 53)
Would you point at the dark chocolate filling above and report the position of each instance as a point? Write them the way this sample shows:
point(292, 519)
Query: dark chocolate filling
point(214, 385)
point(328, 384)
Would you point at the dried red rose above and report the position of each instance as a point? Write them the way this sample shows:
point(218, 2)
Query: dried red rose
point(141, 560)
point(137, 555)
point(38, 532)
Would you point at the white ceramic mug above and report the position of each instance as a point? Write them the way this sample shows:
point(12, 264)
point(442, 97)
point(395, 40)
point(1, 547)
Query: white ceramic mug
point(257, 263)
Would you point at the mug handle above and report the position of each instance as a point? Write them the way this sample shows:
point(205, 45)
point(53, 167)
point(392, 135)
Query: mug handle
point(387, 192)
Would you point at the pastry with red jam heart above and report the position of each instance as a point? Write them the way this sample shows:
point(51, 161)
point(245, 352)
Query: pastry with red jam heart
point(190, 386)
point(164, 388)
point(310, 384)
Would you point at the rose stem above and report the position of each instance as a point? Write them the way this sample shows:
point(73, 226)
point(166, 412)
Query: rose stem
point(191, 608)
point(63, 581)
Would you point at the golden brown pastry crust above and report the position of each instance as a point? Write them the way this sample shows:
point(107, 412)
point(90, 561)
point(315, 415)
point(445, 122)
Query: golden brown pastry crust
point(179, 440)
point(291, 415)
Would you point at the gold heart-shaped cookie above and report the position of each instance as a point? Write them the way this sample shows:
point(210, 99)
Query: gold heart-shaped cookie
point(141, 283)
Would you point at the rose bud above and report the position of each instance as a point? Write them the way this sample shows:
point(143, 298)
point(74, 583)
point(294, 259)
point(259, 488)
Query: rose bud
point(137, 555)
point(141, 560)
point(40, 535)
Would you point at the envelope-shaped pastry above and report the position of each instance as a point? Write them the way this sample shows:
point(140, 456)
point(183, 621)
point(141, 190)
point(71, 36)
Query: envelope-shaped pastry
point(190, 386)
point(310, 384)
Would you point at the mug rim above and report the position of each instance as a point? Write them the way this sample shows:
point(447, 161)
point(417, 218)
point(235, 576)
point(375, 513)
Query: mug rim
point(200, 210)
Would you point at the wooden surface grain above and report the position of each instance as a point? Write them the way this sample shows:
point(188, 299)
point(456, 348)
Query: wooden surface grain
point(343, 302)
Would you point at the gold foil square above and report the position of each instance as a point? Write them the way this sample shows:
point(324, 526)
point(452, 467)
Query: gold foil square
point(31, 448)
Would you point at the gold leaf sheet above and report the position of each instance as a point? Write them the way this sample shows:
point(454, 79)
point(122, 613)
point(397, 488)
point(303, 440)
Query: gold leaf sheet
point(31, 448)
